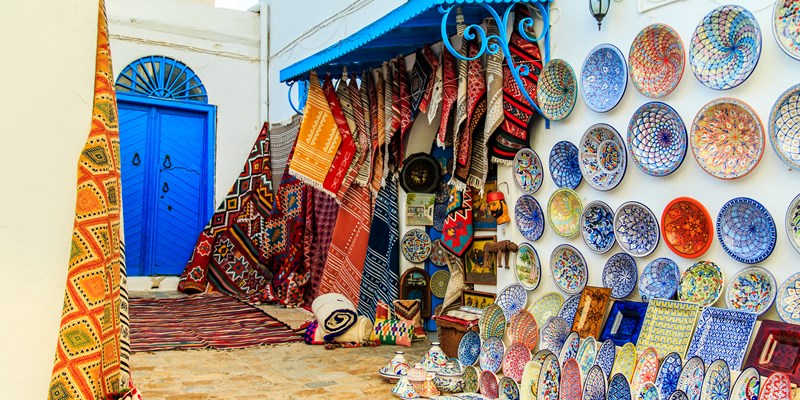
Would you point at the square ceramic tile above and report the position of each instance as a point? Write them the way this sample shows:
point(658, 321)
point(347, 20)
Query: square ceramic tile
point(668, 326)
point(624, 322)
point(776, 349)
point(591, 311)
point(722, 334)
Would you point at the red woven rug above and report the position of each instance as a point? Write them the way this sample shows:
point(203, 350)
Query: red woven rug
point(213, 320)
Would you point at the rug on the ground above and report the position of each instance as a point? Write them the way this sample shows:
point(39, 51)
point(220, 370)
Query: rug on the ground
point(211, 320)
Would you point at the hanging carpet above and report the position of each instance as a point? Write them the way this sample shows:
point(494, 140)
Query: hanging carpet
point(282, 136)
point(320, 221)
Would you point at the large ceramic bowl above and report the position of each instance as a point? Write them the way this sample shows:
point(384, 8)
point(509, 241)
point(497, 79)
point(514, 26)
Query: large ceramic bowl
point(657, 139)
point(620, 274)
point(569, 269)
point(786, 26)
point(604, 77)
point(564, 212)
point(597, 227)
point(752, 289)
point(656, 60)
point(784, 125)
point(636, 229)
point(687, 227)
point(602, 157)
point(702, 284)
point(793, 222)
point(557, 90)
point(528, 172)
point(746, 230)
point(659, 280)
point(529, 217)
point(527, 267)
point(564, 167)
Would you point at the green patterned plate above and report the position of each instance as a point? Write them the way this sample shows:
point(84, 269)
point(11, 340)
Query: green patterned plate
point(547, 306)
point(438, 283)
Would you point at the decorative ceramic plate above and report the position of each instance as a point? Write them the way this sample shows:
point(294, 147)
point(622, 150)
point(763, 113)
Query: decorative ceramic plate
point(569, 269)
point(602, 157)
point(624, 322)
point(528, 172)
point(512, 299)
point(659, 279)
point(626, 361)
point(491, 357)
point(554, 333)
point(687, 227)
point(618, 388)
point(523, 329)
point(691, 379)
point(702, 284)
point(648, 391)
point(569, 308)
point(592, 310)
point(529, 217)
point(549, 379)
point(586, 355)
point(546, 307)
point(416, 245)
point(527, 267)
point(570, 348)
point(668, 326)
point(594, 386)
point(784, 123)
point(727, 138)
point(509, 390)
point(597, 227)
point(793, 223)
point(492, 322)
point(557, 90)
point(605, 357)
point(420, 174)
point(471, 379)
point(439, 281)
point(788, 303)
point(786, 26)
point(514, 361)
point(775, 349)
point(636, 229)
point(657, 139)
point(564, 212)
point(490, 387)
point(470, 396)
point(717, 383)
point(752, 289)
point(604, 77)
point(777, 387)
point(678, 395)
point(438, 256)
point(620, 274)
point(656, 60)
point(530, 376)
point(725, 47)
point(746, 230)
point(469, 348)
point(747, 385)
point(571, 380)
point(668, 374)
point(646, 369)
point(564, 166)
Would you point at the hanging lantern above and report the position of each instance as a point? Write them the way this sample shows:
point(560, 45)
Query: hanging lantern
point(498, 207)
point(599, 9)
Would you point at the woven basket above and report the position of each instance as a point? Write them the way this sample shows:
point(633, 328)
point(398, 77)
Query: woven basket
point(450, 334)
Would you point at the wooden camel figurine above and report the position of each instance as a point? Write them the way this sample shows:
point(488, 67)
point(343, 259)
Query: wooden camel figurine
point(496, 251)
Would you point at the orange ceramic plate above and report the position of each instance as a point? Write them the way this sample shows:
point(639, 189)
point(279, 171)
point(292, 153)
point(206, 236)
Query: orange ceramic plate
point(687, 227)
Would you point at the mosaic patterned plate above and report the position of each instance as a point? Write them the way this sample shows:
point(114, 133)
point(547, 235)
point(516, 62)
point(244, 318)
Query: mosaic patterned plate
point(469, 348)
point(554, 333)
point(557, 90)
point(529, 217)
point(657, 139)
point(564, 166)
point(549, 379)
point(717, 383)
point(678, 395)
point(747, 385)
point(620, 274)
point(619, 388)
point(702, 283)
point(439, 281)
point(793, 223)
point(490, 386)
point(668, 374)
point(604, 77)
point(471, 382)
point(569, 269)
point(527, 267)
point(416, 245)
point(602, 157)
point(594, 386)
point(570, 348)
point(687, 227)
point(523, 329)
point(725, 47)
point(564, 212)
point(646, 369)
point(691, 380)
point(624, 322)
point(777, 387)
point(727, 153)
point(514, 361)
point(586, 355)
point(512, 299)
point(569, 308)
point(591, 311)
point(788, 302)
point(545, 307)
point(648, 391)
point(659, 279)
point(491, 357)
point(775, 349)
point(636, 229)
point(656, 60)
point(786, 26)
point(784, 122)
point(752, 289)
point(597, 227)
point(492, 322)
point(571, 380)
point(605, 357)
point(625, 362)
point(746, 230)
point(438, 256)
point(668, 326)
point(509, 390)
point(528, 172)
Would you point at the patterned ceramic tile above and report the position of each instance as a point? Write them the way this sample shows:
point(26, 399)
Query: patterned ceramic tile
point(722, 334)
point(668, 326)
point(776, 348)
point(624, 322)
point(591, 311)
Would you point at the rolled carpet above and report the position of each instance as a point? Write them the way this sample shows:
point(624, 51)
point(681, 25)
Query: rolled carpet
point(335, 314)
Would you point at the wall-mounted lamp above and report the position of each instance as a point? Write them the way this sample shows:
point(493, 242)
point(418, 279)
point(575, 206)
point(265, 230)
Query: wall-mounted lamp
point(599, 9)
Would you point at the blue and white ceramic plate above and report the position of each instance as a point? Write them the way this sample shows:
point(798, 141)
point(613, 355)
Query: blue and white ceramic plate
point(659, 280)
point(509, 390)
point(746, 230)
point(528, 172)
point(678, 395)
point(691, 379)
point(564, 166)
point(752, 289)
point(529, 217)
point(668, 374)
point(624, 322)
point(554, 334)
point(587, 354)
point(788, 303)
point(602, 157)
point(604, 77)
point(620, 274)
point(569, 308)
point(597, 227)
point(570, 347)
point(569, 269)
point(636, 229)
point(594, 386)
point(722, 334)
point(605, 357)
point(512, 300)
point(784, 126)
point(747, 385)
point(717, 383)
point(657, 139)
point(619, 388)
point(549, 379)
point(492, 351)
point(793, 223)
point(469, 348)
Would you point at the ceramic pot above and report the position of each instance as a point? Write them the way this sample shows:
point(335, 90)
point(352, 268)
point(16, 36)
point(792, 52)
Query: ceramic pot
point(397, 365)
point(435, 358)
point(404, 390)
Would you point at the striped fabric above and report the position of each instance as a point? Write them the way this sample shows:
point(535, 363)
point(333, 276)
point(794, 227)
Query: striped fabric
point(436, 93)
point(335, 182)
point(444, 137)
point(378, 115)
point(361, 115)
point(479, 167)
point(282, 136)
point(476, 114)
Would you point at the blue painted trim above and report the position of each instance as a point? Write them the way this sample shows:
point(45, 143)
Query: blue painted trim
point(289, 95)
point(161, 77)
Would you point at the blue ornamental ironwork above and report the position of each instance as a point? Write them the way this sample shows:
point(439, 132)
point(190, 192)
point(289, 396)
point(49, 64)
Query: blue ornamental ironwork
point(161, 77)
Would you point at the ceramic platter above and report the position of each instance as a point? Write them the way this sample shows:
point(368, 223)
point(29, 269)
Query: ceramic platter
point(679, 316)
point(439, 281)
point(793, 222)
point(668, 374)
point(554, 333)
point(508, 389)
point(618, 388)
point(416, 245)
point(528, 172)
point(691, 380)
point(491, 357)
point(636, 229)
point(586, 355)
point(524, 330)
point(657, 139)
point(784, 123)
point(625, 361)
point(725, 47)
point(605, 357)
point(746, 230)
point(597, 227)
point(530, 376)
point(717, 382)
point(529, 217)
point(722, 334)
point(512, 299)
point(594, 386)
point(777, 387)
point(557, 90)
point(569, 308)
point(752, 289)
point(514, 361)
point(646, 369)
point(546, 306)
point(471, 382)
point(604, 77)
point(527, 267)
point(549, 379)
point(701, 284)
point(564, 167)
point(570, 380)
point(723, 152)
point(620, 274)
point(624, 322)
point(788, 303)
point(648, 391)
point(492, 322)
point(656, 60)
point(469, 348)
point(602, 157)
point(659, 279)
point(570, 348)
point(747, 385)
point(564, 212)
point(490, 386)
point(569, 269)
point(786, 26)
point(686, 227)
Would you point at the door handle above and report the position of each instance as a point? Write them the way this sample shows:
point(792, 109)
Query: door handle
point(165, 187)
point(167, 162)
point(136, 160)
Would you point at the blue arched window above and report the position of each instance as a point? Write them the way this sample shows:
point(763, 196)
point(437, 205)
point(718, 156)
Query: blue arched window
point(161, 77)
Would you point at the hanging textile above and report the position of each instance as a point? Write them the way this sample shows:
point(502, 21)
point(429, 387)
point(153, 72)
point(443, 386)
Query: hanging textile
point(377, 105)
point(320, 221)
point(455, 286)
point(476, 115)
point(391, 108)
point(406, 116)
point(359, 100)
point(444, 137)
point(428, 65)
point(459, 124)
point(335, 179)
point(479, 165)
point(343, 94)
point(457, 231)
point(436, 93)
point(282, 136)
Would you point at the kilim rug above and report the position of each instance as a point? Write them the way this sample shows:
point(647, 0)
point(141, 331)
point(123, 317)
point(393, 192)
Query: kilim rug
point(319, 224)
point(282, 136)
point(207, 321)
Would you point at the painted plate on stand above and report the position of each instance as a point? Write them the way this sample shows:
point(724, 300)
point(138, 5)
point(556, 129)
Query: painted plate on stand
point(713, 141)
point(491, 357)
point(604, 77)
point(687, 227)
point(564, 212)
point(725, 47)
point(549, 379)
point(656, 60)
point(557, 90)
point(439, 281)
point(717, 383)
point(702, 284)
point(514, 361)
point(569, 308)
point(777, 387)
point(586, 355)
point(490, 387)
point(659, 279)
point(546, 307)
point(509, 390)
point(512, 299)
point(618, 388)
point(646, 369)
point(620, 274)
point(569, 269)
point(597, 227)
point(529, 217)
point(788, 303)
point(657, 139)
point(747, 385)
point(668, 374)
point(602, 157)
point(570, 380)
point(636, 229)
point(528, 172)
point(492, 322)
point(746, 230)
point(752, 289)
point(554, 333)
point(594, 386)
point(527, 268)
point(793, 223)
point(469, 348)
point(564, 166)
point(570, 348)
point(471, 382)
point(524, 330)
point(784, 123)
point(438, 256)
point(625, 363)
point(648, 391)
point(605, 357)
point(786, 26)
point(416, 245)
point(691, 380)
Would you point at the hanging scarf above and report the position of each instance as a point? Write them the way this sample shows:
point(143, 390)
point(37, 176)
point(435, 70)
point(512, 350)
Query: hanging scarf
point(335, 180)
point(476, 114)
point(359, 99)
point(343, 95)
point(436, 93)
point(459, 124)
point(457, 231)
point(449, 95)
point(494, 114)
point(406, 116)
point(320, 221)
point(377, 101)
point(282, 136)
point(430, 64)
point(391, 116)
